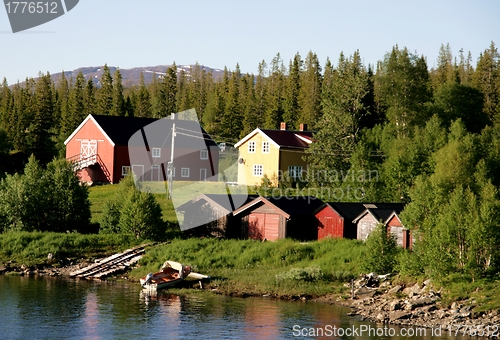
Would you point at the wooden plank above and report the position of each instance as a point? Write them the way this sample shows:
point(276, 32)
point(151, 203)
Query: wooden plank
point(109, 262)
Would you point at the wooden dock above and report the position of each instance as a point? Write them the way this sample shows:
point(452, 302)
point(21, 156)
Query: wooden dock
point(109, 265)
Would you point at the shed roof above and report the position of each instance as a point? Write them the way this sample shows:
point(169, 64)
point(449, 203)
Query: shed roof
point(224, 202)
point(287, 206)
point(382, 211)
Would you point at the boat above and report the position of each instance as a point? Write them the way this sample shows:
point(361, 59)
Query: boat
point(170, 274)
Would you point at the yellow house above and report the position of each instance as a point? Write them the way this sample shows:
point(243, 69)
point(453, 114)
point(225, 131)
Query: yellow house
point(272, 153)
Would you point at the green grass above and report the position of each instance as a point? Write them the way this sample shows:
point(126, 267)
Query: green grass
point(253, 266)
point(481, 293)
point(98, 195)
point(32, 248)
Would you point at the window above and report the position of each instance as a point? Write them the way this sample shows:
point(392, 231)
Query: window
point(265, 147)
point(295, 172)
point(251, 147)
point(125, 170)
point(203, 154)
point(258, 169)
point(185, 172)
point(156, 152)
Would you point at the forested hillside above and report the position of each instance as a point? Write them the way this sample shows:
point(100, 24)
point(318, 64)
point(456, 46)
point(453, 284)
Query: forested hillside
point(394, 131)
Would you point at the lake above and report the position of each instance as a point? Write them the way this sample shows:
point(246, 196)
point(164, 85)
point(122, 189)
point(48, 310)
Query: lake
point(61, 308)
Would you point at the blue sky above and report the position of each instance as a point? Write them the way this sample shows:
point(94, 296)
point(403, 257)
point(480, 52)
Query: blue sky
point(130, 33)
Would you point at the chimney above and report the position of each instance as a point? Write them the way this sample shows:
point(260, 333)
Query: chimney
point(283, 126)
point(303, 127)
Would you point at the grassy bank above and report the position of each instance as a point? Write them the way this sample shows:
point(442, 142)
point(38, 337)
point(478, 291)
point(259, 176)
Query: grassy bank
point(32, 248)
point(284, 267)
point(98, 195)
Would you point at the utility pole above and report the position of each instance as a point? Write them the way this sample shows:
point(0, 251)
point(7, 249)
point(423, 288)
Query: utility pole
point(170, 166)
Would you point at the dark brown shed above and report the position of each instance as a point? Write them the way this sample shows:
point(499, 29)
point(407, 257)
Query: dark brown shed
point(212, 214)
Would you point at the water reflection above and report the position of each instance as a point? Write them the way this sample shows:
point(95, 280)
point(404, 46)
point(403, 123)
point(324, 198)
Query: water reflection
point(49, 308)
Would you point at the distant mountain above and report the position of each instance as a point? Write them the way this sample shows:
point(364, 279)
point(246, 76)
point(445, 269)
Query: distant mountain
point(131, 76)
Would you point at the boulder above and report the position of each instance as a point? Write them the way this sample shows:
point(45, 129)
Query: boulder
point(364, 292)
point(394, 289)
point(410, 291)
point(420, 303)
point(398, 315)
point(394, 305)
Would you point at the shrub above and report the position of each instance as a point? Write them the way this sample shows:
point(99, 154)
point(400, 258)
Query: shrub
point(381, 251)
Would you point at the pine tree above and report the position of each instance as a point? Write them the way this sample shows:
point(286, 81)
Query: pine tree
point(169, 92)
point(465, 68)
point(90, 100)
point(183, 99)
point(231, 120)
point(310, 92)
point(40, 142)
point(76, 107)
point(105, 93)
point(275, 84)
point(5, 102)
point(487, 79)
point(118, 99)
point(61, 106)
point(344, 109)
point(251, 118)
point(402, 86)
point(293, 86)
point(143, 104)
point(214, 110)
point(445, 71)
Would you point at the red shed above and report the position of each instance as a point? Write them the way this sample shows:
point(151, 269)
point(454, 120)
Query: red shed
point(335, 219)
point(274, 218)
point(100, 147)
point(395, 226)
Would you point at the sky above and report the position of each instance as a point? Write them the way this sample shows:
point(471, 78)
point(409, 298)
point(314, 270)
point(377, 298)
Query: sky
point(218, 34)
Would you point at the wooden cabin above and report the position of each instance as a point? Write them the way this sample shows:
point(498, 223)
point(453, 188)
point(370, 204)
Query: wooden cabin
point(212, 215)
point(270, 218)
point(335, 219)
point(388, 215)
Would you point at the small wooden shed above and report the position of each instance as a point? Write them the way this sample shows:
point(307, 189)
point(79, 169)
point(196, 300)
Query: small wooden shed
point(212, 214)
point(335, 219)
point(271, 218)
point(387, 214)
point(403, 236)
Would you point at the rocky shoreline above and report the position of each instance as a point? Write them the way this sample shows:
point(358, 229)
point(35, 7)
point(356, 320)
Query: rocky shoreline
point(58, 268)
point(377, 299)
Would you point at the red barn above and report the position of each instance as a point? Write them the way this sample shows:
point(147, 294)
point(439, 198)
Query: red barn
point(103, 146)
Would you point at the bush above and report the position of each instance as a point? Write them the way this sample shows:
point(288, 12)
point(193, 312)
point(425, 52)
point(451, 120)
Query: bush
point(381, 251)
point(141, 216)
point(133, 212)
point(49, 199)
